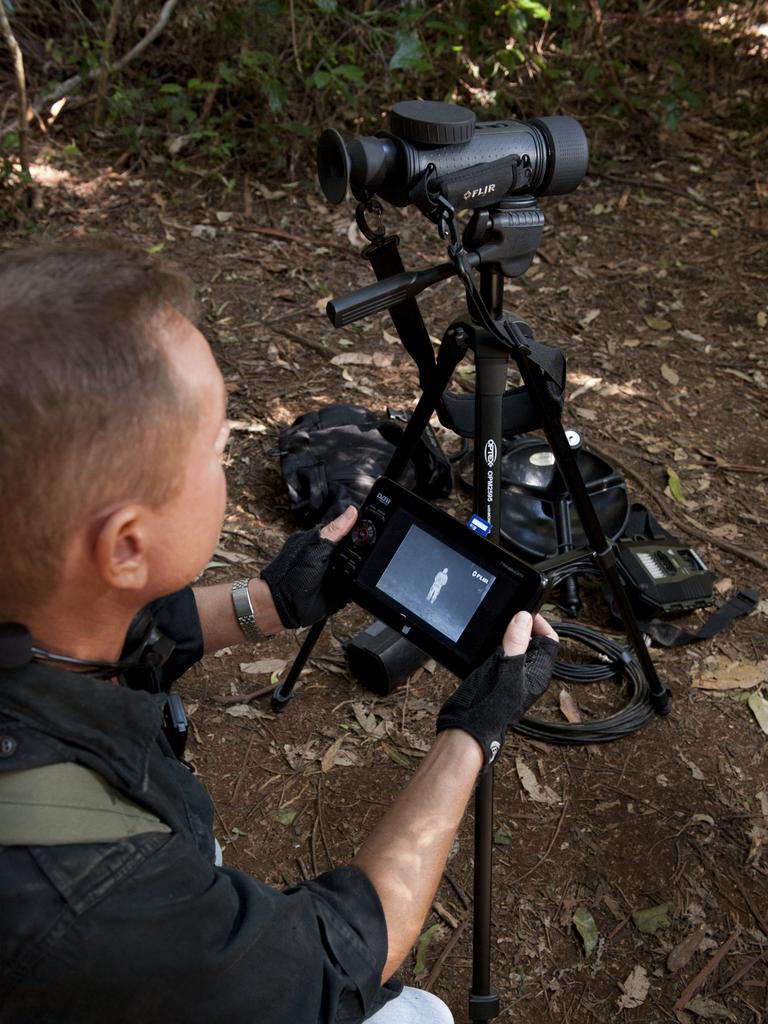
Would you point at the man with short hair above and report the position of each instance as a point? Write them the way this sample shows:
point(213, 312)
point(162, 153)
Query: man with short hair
point(115, 905)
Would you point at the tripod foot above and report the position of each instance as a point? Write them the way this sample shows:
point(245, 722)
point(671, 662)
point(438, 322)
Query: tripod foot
point(483, 1007)
point(661, 702)
point(280, 696)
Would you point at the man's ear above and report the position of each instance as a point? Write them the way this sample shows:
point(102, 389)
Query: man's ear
point(120, 548)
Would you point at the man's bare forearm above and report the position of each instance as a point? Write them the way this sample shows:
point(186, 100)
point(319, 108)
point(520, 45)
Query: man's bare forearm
point(405, 855)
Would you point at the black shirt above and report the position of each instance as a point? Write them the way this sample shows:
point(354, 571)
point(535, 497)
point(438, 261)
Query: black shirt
point(146, 930)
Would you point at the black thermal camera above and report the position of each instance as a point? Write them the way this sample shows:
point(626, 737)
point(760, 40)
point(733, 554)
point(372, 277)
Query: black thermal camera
point(433, 148)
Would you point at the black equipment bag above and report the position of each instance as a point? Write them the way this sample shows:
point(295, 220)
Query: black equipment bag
point(331, 457)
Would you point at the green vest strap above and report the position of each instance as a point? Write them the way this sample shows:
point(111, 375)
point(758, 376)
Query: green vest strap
point(67, 803)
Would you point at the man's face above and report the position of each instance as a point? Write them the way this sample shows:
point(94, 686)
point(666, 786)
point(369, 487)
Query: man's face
point(185, 530)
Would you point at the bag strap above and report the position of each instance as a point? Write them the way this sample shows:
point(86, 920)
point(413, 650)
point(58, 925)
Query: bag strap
point(641, 522)
point(65, 803)
point(667, 635)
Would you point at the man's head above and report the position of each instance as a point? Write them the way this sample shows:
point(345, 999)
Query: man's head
point(108, 395)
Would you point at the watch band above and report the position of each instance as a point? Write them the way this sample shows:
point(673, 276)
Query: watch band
point(241, 601)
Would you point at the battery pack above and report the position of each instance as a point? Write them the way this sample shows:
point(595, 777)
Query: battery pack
point(380, 658)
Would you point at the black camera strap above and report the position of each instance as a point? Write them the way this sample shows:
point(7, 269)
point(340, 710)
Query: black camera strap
point(383, 253)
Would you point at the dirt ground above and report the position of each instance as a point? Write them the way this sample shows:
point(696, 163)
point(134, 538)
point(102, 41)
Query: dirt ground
point(652, 277)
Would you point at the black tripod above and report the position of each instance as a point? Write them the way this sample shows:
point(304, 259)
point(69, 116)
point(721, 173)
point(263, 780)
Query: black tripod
point(501, 241)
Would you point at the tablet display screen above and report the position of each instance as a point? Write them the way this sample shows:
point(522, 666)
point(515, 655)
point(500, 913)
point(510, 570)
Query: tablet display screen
point(435, 583)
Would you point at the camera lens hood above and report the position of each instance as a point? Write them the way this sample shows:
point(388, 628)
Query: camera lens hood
point(567, 154)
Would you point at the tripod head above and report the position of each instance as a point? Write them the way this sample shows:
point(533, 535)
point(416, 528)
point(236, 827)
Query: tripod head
point(500, 239)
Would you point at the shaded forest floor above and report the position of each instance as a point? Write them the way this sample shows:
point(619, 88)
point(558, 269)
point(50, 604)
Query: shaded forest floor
point(652, 277)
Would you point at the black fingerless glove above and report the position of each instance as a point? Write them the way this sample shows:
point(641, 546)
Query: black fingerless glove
point(498, 694)
point(295, 580)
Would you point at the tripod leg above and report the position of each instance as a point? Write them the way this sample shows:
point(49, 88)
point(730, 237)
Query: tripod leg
point(491, 365)
point(604, 554)
point(570, 601)
point(483, 1000)
point(283, 692)
point(451, 353)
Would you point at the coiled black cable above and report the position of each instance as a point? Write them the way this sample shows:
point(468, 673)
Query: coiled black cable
point(616, 662)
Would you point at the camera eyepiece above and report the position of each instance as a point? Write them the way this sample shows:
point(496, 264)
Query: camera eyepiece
point(473, 164)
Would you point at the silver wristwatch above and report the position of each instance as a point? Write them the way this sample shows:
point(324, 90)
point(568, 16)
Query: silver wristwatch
point(241, 601)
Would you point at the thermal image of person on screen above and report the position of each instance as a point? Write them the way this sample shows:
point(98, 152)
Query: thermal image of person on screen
point(441, 578)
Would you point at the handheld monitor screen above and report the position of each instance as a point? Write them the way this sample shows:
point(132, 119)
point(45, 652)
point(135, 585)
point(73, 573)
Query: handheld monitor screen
point(440, 586)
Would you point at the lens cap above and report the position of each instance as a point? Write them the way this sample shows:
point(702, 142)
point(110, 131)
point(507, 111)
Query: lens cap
point(426, 123)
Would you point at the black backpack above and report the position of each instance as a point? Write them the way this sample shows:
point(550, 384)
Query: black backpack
point(330, 458)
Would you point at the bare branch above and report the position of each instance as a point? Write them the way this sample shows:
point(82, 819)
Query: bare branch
point(73, 83)
point(103, 77)
point(21, 87)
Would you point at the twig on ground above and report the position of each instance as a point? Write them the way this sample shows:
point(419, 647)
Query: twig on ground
point(322, 826)
point(658, 186)
point(690, 990)
point(316, 346)
point(446, 915)
point(287, 236)
point(748, 900)
point(618, 928)
point(745, 969)
point(457, 889)
point(313, 849)
point(241, 776)
point(548, 850)
point(244, 698)
point(445, 952)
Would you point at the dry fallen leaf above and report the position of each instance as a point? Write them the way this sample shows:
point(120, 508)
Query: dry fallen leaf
point(657, 324)
point(569, 707)
point(634, 989)
point(683, 951)
point(538, 793)
point(232, 556)
point(263, 668)
point(329, 757)
point(723, 673)
point(709, 1009)
point(245, 711)
point(367, 721)
point(759, 707)
point(352, 359)
point(669, 374)
point(585, 414)
point(727, 531)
